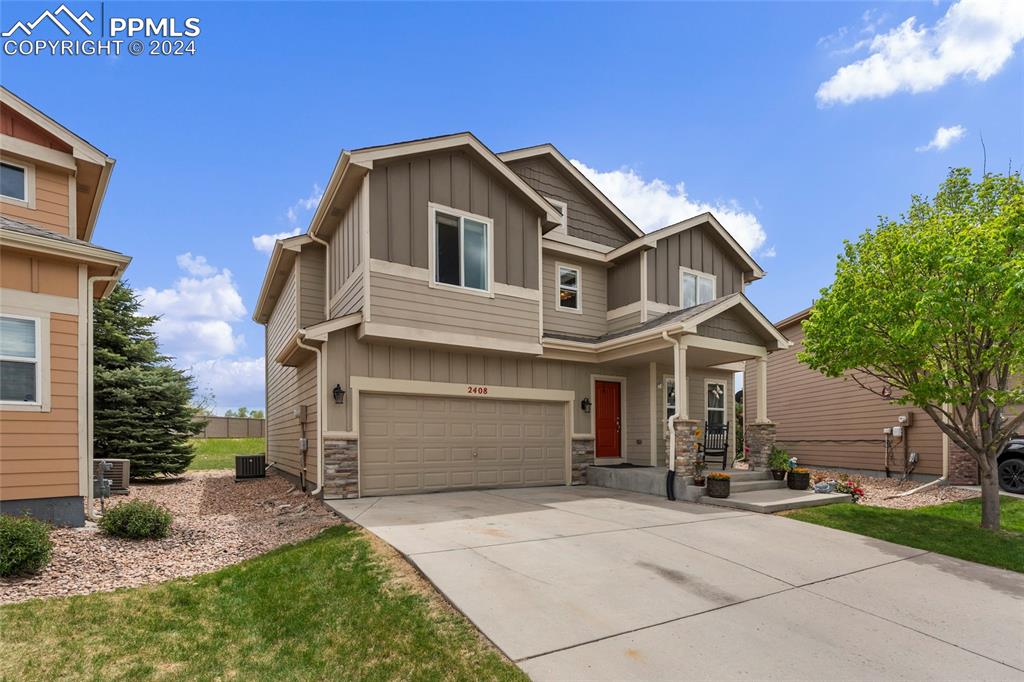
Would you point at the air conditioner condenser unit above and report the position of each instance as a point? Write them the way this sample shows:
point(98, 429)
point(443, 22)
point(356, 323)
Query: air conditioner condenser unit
point(117, 471)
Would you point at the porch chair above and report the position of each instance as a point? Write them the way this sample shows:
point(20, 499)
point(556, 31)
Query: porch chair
point(716, 442)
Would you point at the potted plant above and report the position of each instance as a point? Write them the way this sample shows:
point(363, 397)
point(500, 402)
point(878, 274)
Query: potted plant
point(718, 484)
point(698, 469)
point(798, 479)
point(778, 463)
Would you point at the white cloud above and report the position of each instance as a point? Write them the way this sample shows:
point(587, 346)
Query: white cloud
point(768, 252)
point(233, 382)
point(265, 242)
point(304, 205)
point(195, 265)
point(196, 313)
point(943, 138)
point(974, 38)
point(655, 204)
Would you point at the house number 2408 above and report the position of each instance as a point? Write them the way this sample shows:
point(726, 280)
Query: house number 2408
point(476, 390)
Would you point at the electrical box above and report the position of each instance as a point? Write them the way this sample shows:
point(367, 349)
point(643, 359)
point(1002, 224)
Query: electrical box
point(897, 432)
point(906, 419)
point(299, 412)
point(303, 444)
point(887, 431)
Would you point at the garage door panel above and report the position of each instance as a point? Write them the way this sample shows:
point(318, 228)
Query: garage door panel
point(418, 443)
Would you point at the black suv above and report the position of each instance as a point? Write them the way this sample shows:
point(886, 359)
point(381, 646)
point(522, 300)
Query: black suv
point(1011, 466)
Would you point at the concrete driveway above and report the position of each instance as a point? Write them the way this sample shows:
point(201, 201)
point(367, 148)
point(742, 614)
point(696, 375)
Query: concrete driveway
point(590, 583)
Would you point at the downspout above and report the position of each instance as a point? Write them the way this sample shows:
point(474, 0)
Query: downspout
point(945, 467)
point(670, 478)
point(89, 406)
point(319, 413)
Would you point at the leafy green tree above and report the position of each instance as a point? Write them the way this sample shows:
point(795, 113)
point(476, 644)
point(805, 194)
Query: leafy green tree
point(230, 413)
point(143, 405)
point(256, 414)
point(929, 310)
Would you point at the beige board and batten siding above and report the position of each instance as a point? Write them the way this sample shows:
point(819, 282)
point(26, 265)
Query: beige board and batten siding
point(832, 422)
point(414, 443)
point(624, 282)
point(346, 249)
point(586, 219)
point(591, 320)
point(287, 388)
point(310, 264)
point(697, 249)
point(401, 190)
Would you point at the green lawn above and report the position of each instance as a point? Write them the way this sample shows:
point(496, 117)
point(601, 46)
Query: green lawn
point(946, 528)
point(327, 608)
point(219, 453)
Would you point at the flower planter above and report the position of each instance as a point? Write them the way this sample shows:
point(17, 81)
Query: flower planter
point(699, 481)
point(718, 487)
point(779, 474)
point(798, 481)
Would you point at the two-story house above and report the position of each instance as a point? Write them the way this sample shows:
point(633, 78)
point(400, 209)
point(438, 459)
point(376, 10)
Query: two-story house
point(52, 184)
point(456, 318)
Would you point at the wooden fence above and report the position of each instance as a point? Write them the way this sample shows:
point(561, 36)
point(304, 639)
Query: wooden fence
point(232, 427)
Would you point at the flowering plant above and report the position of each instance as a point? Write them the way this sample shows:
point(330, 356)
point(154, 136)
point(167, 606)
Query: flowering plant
point(855, 491)
point(718, 476)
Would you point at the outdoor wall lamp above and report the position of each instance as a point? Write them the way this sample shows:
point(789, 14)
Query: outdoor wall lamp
point(339, 394)
point(585, 405)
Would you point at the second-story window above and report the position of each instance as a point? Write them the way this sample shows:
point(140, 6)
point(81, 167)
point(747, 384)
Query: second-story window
point(461, 250)
point(569, 288)
point(13, 181)
point(695, 288)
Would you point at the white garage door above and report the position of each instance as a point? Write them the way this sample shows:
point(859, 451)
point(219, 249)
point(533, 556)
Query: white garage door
point(411, 444)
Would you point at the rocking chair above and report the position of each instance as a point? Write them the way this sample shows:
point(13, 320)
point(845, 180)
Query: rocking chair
point(716, 442)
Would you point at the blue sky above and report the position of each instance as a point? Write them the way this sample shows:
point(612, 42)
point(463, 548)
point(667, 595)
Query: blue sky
point(798, 123)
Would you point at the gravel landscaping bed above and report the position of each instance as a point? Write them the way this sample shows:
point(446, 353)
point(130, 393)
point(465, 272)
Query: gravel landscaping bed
point(879, 490)
point(217, 522)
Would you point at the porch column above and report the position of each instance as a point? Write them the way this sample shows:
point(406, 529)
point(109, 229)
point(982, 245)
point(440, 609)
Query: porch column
point(762, 390)
point(682, 402)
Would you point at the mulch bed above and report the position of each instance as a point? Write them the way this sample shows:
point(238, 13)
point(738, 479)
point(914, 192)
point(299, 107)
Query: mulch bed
point(879, 491)
point(217, 522)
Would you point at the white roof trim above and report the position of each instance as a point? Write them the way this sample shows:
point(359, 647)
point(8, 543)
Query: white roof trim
point(367, 156)
point(690, 325)
point(551, 150)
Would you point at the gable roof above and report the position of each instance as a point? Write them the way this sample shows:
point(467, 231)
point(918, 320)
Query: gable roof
point(281, 260)
point(707, 218)
point(549, 150)
point(83, 155)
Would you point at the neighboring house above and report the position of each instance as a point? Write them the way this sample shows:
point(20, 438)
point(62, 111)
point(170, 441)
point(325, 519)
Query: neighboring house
point(51, 187)
point(475, 319)
point(834, 423)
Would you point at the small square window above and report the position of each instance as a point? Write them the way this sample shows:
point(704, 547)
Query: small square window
point(461, 251)
point(695, 288)
point(13, 182)
point(569, 288)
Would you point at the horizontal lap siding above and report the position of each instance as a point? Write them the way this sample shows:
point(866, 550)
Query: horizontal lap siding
point(697, 399)
point(51, 208)
point(586, 219)
point(593, 320)
point(311, 290)
point(288, 387)
point(413, 303)
point(623, 322)
point(696, 249)
point(401, 190)
point(39, 455)
point(637, 417)
point(729, 326)
point(346, 259)
point(812, 410)
point(352, 299)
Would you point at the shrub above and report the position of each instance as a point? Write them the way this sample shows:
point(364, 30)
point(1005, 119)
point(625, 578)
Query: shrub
point(25, 545)
point(137, 520)
point(718, 476)
point(779, 460)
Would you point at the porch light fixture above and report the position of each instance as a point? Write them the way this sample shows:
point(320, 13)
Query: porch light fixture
point(585, 405)
point(339, 394)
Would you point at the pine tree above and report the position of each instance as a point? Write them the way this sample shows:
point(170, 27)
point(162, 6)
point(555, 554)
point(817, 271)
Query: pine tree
point(143, 408)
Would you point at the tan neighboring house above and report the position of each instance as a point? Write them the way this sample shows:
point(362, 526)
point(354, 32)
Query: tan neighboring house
point(52, 184)
point(834, 423)
point(456, 318)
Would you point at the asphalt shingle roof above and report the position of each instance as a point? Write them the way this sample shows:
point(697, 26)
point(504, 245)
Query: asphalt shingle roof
point(25, 228)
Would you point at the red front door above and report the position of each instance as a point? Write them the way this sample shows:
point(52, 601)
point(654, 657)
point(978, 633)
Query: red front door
point(608, 418)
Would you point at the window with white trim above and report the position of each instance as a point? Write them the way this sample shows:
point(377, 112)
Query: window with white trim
point(19, 359)
point(563, 209)
point(715, 406)
point(569, 288)
point(695, 288)
point(14, 181)
point(461, 250)
point(670, 396)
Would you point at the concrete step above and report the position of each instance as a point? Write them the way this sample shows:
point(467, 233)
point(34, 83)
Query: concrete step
point(776, 500)
point(736, 475)
point(747, 486)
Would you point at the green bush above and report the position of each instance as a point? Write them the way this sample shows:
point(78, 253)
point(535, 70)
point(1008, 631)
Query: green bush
point(137, 520)
point(25, 545)
point(779, 460)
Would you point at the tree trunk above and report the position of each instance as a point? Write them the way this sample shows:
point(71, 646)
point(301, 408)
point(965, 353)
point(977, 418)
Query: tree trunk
point(990, 497)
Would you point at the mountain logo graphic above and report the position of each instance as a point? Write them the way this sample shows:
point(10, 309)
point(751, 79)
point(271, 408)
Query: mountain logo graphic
point(77, 20)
